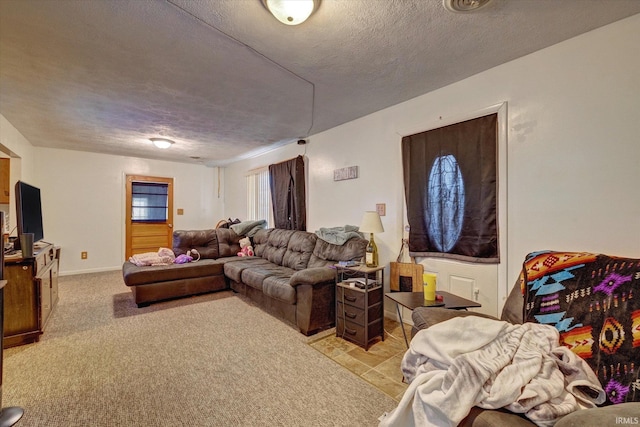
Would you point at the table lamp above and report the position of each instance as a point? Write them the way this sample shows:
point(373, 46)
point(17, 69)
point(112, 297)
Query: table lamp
point(371, 223)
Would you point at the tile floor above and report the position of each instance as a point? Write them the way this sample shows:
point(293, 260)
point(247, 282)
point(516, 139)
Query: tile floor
point(380, 365)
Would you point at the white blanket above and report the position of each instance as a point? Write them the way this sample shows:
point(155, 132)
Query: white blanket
point(472, 361)
point(164, 256)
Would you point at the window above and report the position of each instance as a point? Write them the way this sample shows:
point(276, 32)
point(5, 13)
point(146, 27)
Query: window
point(445, 202)
point(259, 196)
point(288, 197)
point(149, 202)
point(450, 178)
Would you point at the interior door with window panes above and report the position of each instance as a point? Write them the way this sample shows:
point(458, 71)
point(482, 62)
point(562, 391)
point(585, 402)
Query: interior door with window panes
point(149, 216)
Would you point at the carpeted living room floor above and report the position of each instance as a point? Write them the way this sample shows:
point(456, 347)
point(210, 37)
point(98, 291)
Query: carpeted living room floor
point(211, 360)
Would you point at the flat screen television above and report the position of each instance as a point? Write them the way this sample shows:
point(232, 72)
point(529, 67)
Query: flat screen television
point(29, 210)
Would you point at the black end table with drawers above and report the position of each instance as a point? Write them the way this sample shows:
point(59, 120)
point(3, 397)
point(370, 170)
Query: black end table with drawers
point(359, 304)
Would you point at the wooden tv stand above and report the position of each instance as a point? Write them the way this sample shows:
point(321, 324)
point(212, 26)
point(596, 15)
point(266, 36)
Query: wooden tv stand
point(30, 295)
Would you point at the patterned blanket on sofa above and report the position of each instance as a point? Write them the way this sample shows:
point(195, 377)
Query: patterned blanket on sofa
point(593, 300)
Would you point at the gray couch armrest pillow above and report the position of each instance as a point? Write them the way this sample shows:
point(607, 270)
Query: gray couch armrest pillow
point(513, 310)
point(312, 276)
point(624, 413)
point(325, 253)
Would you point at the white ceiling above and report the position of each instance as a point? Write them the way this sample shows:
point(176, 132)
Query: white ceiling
point(226, 80)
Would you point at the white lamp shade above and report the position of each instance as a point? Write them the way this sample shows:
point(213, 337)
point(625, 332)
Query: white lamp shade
point(371, 223)
point(291, 12)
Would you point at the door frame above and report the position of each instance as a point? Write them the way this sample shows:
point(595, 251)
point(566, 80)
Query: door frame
point(501, 109)
point(129, 179)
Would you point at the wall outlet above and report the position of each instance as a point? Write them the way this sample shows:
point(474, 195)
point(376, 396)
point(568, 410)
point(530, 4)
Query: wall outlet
point(381, 208)
point(83, 255)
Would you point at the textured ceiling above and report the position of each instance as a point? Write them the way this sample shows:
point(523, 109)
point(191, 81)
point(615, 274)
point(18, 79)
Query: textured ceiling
point(226, 80)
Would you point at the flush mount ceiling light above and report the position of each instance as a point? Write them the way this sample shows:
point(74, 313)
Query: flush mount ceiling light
point(462, 6)
point(161, 142)
point(291, 12)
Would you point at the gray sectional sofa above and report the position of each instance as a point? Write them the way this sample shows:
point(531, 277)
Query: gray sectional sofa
point(290, 275)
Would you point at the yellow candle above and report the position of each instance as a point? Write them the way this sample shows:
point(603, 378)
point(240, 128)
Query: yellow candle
point(429, 286)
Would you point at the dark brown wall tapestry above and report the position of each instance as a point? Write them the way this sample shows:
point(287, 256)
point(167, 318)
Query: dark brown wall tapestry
point(450, 181)
point(288, 194)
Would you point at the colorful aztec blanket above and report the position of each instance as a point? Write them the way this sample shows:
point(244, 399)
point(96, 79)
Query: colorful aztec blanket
point(593, 300)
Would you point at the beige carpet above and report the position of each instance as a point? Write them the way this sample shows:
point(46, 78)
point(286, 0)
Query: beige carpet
point(213, 360)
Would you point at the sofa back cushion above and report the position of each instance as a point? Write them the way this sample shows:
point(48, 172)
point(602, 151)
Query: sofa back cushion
point(325, 253)
point(204, 241)
point(275, 247)
point(299, 250)
point(228, 242)
point(594, 302)
point(260, 240)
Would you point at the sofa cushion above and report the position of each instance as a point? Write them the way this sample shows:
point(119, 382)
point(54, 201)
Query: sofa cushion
point(592, 300)
point(260, 240)
point(325, 253)
point(233, 270)
point(278, 287)
point(228, 242)
point(134, 275)
point(299, 250)
point(276, 245)
point(254, 276)
point(204, 241)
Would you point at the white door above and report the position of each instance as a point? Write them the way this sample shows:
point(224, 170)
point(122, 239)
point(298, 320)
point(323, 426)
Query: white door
point(477, 282)
point(484, 283)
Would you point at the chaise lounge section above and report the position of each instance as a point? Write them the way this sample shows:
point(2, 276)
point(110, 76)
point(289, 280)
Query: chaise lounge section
point(151, 284)
point(290, 275)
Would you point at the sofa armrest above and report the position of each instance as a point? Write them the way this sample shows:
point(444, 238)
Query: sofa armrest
point(624, 413)
point(313, 276)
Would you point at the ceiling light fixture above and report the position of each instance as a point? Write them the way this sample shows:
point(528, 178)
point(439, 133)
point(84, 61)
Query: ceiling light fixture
point(161, 142)
point(462, 6)
point(291, 12)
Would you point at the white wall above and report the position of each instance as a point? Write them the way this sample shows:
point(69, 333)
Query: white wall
point(573, 151)
point(14, 145)
point(83, 196)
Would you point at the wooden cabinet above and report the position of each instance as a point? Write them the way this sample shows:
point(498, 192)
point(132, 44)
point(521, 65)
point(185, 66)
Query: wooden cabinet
point(4, 181)
point(359, 312)
point(30, 295)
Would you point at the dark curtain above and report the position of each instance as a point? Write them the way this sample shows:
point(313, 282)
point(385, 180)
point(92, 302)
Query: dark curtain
point(288, 194)
point(450, 181)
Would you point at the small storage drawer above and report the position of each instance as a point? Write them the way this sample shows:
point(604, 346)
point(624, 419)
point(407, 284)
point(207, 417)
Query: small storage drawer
point(356, 333)
point(356, 315)
point(350, 331)
point(356, 297)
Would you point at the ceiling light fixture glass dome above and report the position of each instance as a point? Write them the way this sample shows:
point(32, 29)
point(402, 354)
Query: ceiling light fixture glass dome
point(291, 12)
point(161, 142)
